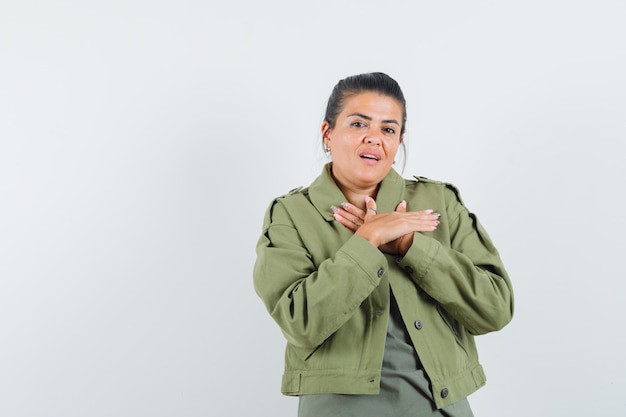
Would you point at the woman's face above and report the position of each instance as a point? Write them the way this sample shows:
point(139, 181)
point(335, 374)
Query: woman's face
point(365, 139)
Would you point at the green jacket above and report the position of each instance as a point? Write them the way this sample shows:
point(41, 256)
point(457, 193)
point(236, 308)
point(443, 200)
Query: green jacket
point(328, 290)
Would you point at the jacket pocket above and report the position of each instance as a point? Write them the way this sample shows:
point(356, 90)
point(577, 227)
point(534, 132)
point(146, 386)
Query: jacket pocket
point(459, 332)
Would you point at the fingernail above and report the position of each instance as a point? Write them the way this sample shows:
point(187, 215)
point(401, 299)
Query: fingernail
point(403, 203)
point(345, 205)
point(335, 209)
point(437, 214)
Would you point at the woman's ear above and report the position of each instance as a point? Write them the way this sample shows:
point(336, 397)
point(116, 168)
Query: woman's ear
point(326, 134)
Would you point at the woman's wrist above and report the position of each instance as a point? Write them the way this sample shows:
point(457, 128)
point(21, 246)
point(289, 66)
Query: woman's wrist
point(368, 234)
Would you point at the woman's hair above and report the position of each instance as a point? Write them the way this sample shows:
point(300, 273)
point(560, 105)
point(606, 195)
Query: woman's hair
point(377, 82)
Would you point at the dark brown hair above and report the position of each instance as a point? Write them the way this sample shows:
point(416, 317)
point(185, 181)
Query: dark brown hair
point(370, 82)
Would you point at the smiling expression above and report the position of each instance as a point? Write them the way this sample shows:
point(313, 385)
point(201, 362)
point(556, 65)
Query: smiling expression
point(365, 140)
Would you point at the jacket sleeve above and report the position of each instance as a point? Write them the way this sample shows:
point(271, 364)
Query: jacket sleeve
point(311, 302)
point(466, 277)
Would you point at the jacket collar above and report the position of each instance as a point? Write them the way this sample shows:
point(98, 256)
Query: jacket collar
point(324, 193)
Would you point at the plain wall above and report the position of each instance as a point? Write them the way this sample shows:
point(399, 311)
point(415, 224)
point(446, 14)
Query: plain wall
point(141, 142)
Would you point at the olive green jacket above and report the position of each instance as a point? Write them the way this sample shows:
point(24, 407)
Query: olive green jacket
point(328, 290)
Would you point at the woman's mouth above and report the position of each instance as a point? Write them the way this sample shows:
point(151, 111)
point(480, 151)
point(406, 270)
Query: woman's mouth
point(370, 156)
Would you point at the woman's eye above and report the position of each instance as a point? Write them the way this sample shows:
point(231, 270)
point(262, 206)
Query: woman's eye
point(390, 130)
point(358, 124)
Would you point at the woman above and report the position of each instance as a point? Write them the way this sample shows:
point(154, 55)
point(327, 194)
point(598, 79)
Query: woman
point(378, 283)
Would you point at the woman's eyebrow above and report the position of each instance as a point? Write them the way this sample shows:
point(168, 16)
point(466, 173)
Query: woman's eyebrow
point(366, 117)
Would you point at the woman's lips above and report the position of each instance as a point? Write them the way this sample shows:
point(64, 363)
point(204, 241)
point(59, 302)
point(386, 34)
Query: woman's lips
point(370, 157)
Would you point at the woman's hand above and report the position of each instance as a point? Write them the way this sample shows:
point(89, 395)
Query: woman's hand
point(350, 216)
point(391, 232)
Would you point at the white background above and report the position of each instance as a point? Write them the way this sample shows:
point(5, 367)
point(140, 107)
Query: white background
point(141, 141)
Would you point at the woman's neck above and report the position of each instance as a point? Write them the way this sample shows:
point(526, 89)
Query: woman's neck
point(357, 197)
point(354, 193)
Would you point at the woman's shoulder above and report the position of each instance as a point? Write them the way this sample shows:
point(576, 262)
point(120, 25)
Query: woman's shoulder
point(280, 206)
point(293, 197)
point(418, 180)
point(292, 192)
point(424, 184)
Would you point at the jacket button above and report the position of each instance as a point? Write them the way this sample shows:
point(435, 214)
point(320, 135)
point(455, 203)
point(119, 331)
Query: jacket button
point(380, 272)
point(444, 393)
point(418, 324)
